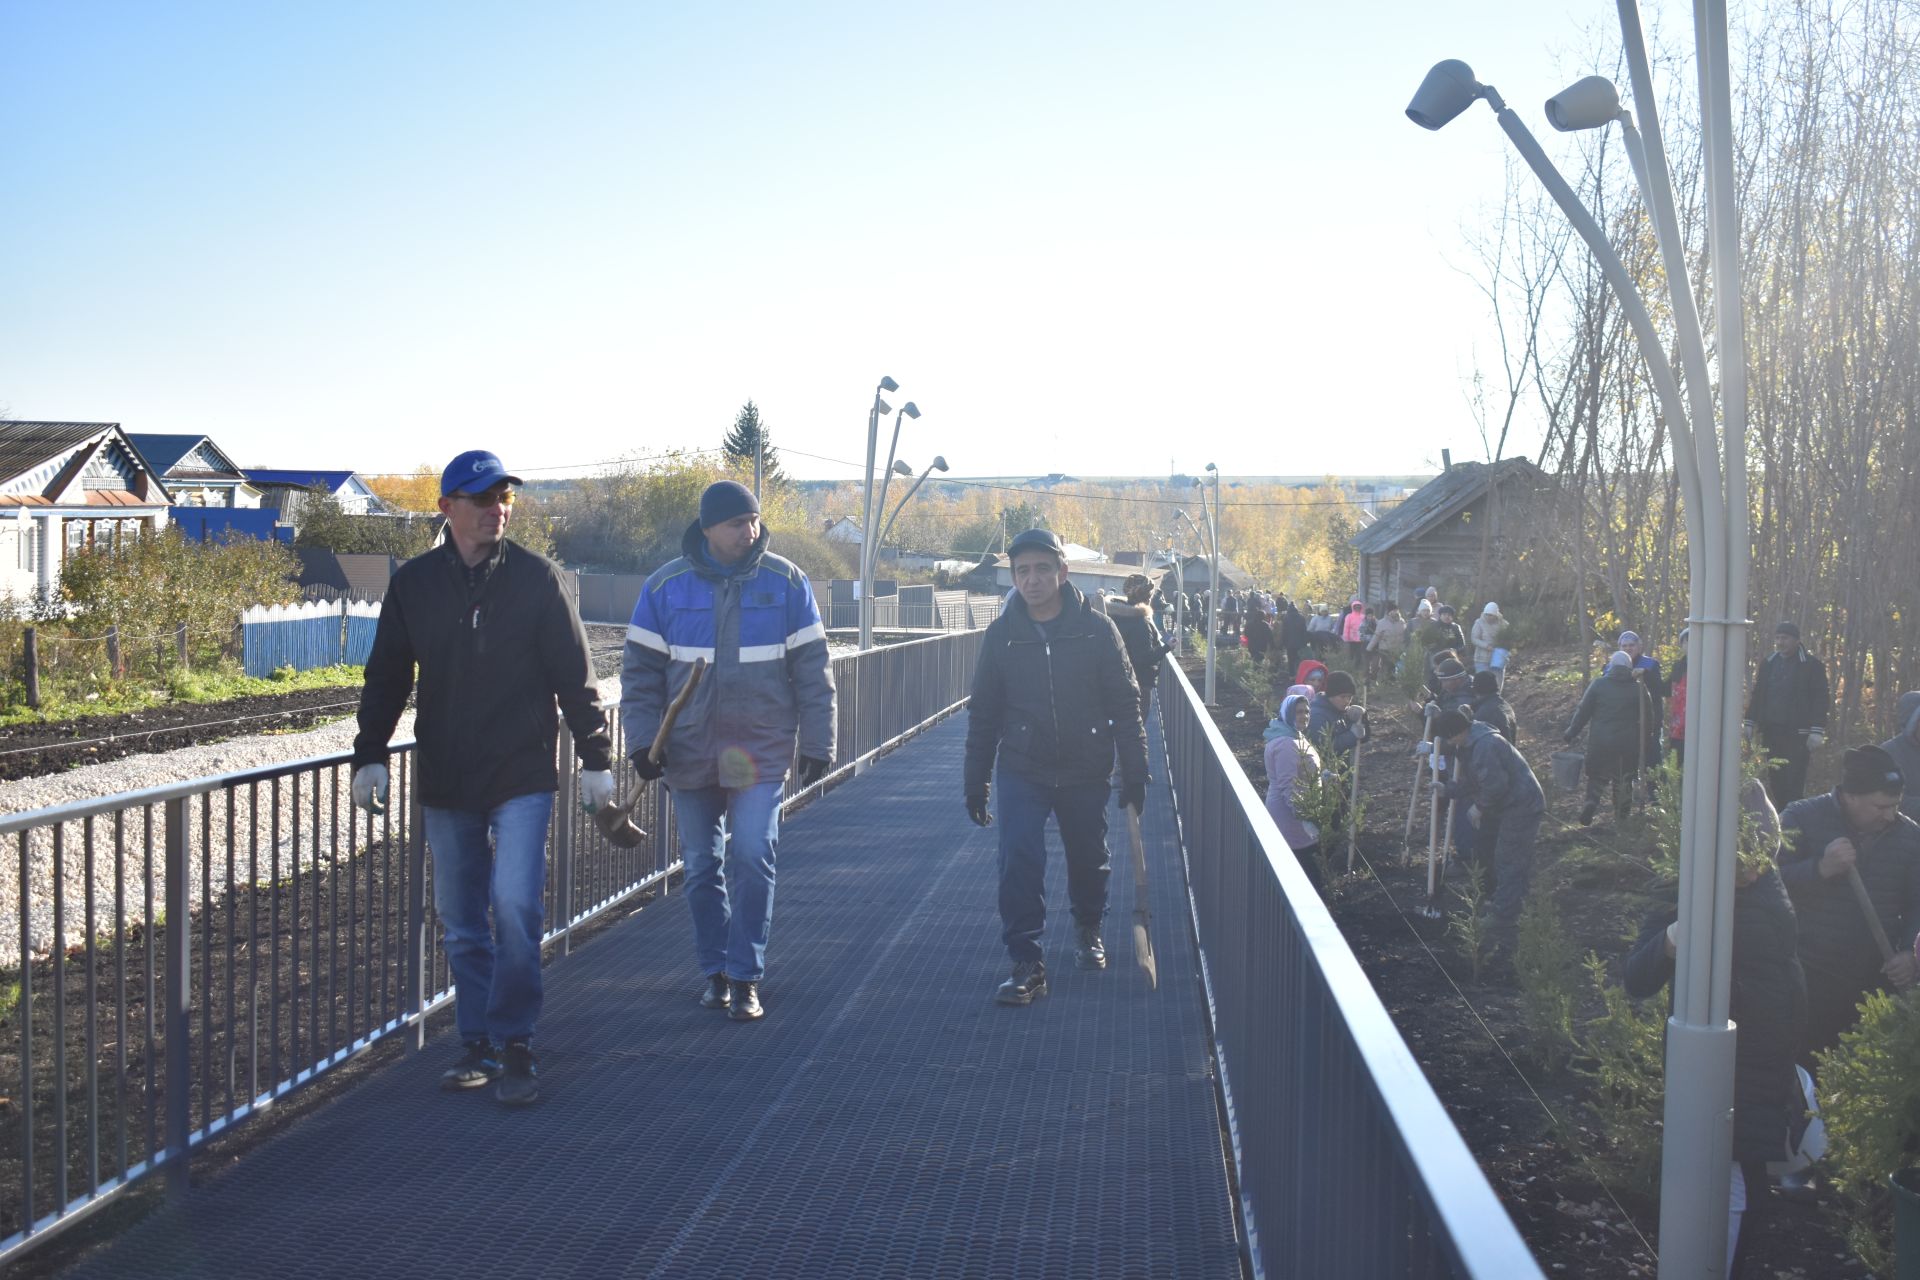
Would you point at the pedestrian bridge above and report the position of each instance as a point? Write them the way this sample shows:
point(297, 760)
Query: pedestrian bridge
point(1254, 1115)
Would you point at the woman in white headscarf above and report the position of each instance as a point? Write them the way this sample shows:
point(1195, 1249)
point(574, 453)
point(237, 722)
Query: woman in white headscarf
point(1291, 762)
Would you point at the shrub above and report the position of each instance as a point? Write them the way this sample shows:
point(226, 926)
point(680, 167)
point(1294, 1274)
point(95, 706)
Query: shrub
point(1622, 1052)
point(1544, 964)
point(1871, 1106)
point(1471, 924)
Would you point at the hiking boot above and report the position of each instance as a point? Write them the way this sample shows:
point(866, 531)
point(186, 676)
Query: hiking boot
point(1586, 814)
point(1028, 983)
point(718, 995)
point(479, 1065)
point(746, 1002)
point(520, 1086)
point(1091, 953)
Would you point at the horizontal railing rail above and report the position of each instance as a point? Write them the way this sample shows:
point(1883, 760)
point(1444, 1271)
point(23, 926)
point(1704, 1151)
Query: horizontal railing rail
point(183, 956)
point(1347, 1162)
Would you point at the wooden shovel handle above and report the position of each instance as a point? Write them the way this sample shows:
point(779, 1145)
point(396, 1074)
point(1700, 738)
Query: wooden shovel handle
point(674, 708)
point(1873, 917)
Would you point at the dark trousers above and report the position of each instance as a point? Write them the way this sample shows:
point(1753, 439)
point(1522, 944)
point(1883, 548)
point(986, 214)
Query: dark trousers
point(1832, 1006)
point(1081, 810)
point(1615, 768)
point(1511, 836)
point(1787, 781)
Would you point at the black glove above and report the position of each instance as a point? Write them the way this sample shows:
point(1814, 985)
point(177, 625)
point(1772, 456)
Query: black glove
point(977, 808)
point(1569, 738)
point(1133, 795)
point(812, 769)
point(648, 768)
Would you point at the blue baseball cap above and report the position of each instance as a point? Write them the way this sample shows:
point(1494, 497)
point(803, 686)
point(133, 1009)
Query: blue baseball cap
point(474, 471)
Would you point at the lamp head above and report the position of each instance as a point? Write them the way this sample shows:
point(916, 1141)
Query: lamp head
point(939, 462)
point(1448, 90)
point(1211, 467)
point(900, 468)
point(911, 409)
point(1592, 103)
point(888, 384)
point(882, 407)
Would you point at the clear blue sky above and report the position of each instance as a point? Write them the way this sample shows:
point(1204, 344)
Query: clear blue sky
point(1096, 238)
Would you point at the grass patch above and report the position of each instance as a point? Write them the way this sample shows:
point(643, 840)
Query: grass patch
point(223, 683)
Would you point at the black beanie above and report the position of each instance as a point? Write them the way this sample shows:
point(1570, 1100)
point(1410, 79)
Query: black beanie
point(1340, 682)
point(725, 499)
point(1450, 724)
point(1485, 682)
point(1864, 770)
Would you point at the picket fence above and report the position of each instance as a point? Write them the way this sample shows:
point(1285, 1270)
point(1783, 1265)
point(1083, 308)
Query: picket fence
point(319, 633)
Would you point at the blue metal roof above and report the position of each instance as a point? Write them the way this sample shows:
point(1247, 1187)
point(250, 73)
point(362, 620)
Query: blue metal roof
point(163, 449)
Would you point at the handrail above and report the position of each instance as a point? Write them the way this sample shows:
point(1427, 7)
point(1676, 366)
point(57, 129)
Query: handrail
point(1347, 1162)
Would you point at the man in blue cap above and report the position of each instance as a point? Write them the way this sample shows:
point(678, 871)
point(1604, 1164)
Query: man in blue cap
point(495, 632)
point(751, 615)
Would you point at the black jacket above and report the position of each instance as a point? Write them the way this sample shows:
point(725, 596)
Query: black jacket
point(1616, 706)
point(1144, 649)
point(1293, 628)
point(493, 659)
point(1495, 776)
point(1805, 707)
point(1833, 933)
point(1768, 1006)
point(1498, 712)
point(1054, 709)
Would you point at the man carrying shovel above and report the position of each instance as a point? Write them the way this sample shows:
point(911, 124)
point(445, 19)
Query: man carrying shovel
point(498, 641)
point(751, 617)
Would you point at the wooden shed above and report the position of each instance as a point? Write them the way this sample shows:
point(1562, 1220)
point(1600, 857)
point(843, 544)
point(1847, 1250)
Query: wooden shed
point(1450, 532)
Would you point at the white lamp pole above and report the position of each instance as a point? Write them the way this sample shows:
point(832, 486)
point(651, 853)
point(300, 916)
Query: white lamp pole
point(1697, 1133)
point(866, 526)
point(939, 464)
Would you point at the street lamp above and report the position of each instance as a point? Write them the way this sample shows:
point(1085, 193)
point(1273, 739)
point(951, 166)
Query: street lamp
point(939, 464)
point(1695, 1149)
point(880, 407)
point(1179, 586)
point(907, 410)
point(1213, 571)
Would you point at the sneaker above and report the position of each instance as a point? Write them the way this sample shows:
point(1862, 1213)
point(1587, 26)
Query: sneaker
point(717, 994)
point(520, 1086)
point(1028, 983)
point(479, 1065)
point(746, 1002)
point(1091, 953)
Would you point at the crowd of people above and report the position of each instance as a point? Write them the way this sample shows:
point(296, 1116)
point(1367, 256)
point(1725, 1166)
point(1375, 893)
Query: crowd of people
point(1059, 701)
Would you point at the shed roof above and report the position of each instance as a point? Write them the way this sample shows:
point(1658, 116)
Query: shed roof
point(1442, 497)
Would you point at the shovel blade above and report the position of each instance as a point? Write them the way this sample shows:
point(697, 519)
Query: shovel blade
point(617, 825)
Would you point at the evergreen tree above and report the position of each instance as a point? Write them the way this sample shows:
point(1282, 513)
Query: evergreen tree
point(748, 434)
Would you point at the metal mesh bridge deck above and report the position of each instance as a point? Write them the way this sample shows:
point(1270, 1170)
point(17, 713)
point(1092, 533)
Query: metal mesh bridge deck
point(886, 1118)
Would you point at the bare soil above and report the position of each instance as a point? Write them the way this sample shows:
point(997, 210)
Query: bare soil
point(1534, 1135)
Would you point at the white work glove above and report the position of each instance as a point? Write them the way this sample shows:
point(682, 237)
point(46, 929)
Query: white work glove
point(1746, 731)
point(370, 787)
point(1354, 713)
point(1423, 749)
point(1473, 815)
point(596, 789)
point(1673, 938)
point(1816, 738)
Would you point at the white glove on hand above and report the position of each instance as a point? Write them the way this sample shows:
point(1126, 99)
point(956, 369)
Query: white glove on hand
point(370, 787)
point(1423, 749)
point(1746, 731)
point(596, 789)
point(1816, 738)
point(1673, 938)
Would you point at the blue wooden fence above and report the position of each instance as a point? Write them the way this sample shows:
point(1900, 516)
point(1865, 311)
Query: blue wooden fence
point(320, 633)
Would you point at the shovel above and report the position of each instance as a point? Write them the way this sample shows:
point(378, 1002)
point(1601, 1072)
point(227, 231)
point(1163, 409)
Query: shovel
point(1142, 944)
point(616, 821)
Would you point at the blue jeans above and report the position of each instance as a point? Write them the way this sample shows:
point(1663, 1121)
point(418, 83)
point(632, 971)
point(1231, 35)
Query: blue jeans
point(732, 909)
point(492, 858)
point(1082, 812)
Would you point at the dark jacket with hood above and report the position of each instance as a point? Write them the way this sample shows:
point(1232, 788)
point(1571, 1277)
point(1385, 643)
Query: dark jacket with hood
point(1330, 729)
point(768, 678)
point(1833, 934)
point(1055, 707)
point(1143, 644)
point(1497, 711)
point(1768, 1005)
point(1790, 693)
point(1293, 628)
point(1259, 634)
point(495, 649)
point(1614, 705)
point(1904, 747)
point(1495, 776)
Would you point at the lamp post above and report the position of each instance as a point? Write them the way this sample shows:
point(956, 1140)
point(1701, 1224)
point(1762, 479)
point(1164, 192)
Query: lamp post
point(1179, 589)
point(1213, 572)
point(939, 464)
point(1697, 1133)
point(907, 410)
point(880, 407)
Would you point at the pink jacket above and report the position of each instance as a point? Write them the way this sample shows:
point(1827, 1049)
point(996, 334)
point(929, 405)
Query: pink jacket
point(1351, 624)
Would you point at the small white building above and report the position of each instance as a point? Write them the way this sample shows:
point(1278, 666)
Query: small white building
point(67, 487)
point(283, 490)
point(845, 530)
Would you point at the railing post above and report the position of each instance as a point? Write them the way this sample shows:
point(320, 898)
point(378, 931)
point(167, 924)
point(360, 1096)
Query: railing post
point(179, 980)
point(565, 841)
point(415, 997)
point(30, 657)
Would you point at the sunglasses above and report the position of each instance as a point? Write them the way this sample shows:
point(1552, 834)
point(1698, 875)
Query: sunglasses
point(492, 498)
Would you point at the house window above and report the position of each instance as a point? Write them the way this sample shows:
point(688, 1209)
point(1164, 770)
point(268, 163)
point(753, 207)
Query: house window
point(101, 535)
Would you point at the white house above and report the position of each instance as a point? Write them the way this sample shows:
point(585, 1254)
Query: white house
point(845, 530)
point(283, 489)
point(195, 470)
point(67, 487)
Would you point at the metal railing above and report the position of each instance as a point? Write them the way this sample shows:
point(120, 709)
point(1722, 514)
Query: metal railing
point(1347, 1162)
point(182, 957)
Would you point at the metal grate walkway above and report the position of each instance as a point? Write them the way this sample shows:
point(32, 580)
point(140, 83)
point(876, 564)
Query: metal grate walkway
point(885, 1119)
